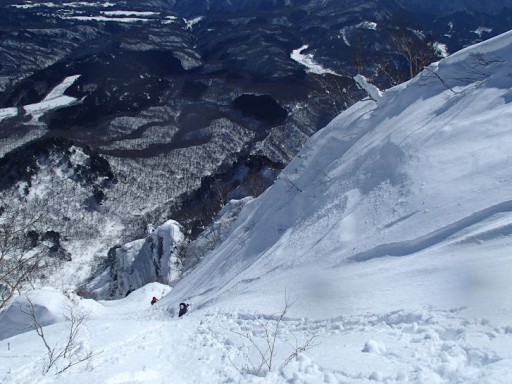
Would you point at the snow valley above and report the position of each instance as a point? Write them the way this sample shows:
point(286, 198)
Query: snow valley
point(382, 253)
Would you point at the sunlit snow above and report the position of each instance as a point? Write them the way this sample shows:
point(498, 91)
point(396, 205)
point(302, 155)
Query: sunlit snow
point(389, 236)
point(481, 30)
point(55, 99)
point(190, 23)
point(309, 62)
point(108, 19)
point(129, 13)
point(8, 112)
point(441, 49)
point(77, 4)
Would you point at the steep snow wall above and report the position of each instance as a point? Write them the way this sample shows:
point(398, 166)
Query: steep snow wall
point(416, 171)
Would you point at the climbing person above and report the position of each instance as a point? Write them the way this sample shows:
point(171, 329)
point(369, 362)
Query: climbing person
point(154, 300)
point(183, 309)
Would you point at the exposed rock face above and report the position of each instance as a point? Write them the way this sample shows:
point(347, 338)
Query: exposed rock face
point(188, 104)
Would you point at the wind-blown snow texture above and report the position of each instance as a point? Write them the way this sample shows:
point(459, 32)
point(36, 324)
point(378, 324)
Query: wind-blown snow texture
point(390, 233)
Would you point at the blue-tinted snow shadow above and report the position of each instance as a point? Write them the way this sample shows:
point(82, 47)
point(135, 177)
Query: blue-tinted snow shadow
point(408, 247)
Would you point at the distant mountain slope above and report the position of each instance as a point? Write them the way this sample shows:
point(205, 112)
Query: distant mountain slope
point(436, 7)
point(421, 174)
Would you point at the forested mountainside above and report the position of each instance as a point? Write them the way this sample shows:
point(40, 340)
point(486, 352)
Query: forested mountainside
point(119, 115)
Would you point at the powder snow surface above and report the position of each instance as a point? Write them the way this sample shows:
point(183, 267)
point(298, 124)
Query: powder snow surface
point(389, 236)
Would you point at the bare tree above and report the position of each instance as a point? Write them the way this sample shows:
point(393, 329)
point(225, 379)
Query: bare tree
point(214, 235)
point(63, 357)
point(257, 184)
point(20, 262)
point(266, 349)
point(359, 59)
point(414, 47)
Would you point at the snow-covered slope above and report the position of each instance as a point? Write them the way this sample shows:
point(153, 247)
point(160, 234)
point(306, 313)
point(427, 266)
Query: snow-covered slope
point(423, 175)
point(389, 233)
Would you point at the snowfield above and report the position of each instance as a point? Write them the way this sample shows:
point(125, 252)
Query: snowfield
point(382, 254)
point(55, 99)
point(309, 62)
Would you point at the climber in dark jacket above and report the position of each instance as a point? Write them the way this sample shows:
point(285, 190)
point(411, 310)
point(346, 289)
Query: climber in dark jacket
point(183, 309)
point(154, 300)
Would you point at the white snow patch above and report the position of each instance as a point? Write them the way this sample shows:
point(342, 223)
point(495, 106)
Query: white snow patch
point(372, 91)
point(441, 49)
point(55, 99)
point(367, 25)
point(169, 20)
point(5, 113)
point(76, 4)
point(190, 23)
point(78, 156)
point(344, 37)
point(107, 19)
point(482, 30)
point(309, 62)
point(129, 13)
